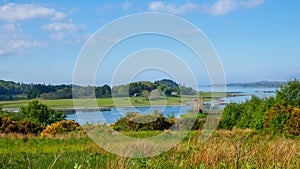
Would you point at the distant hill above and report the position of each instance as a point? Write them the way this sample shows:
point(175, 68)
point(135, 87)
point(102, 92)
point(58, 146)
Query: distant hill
point(266, 84)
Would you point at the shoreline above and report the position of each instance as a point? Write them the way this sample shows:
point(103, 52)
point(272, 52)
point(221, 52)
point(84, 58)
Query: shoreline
point(102, 108)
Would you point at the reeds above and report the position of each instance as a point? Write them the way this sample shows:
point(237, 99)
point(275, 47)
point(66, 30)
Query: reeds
point(224, 149)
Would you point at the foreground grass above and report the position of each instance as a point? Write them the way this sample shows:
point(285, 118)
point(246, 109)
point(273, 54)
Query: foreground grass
point(225, 149)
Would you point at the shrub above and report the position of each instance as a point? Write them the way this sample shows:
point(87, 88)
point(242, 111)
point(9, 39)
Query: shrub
point(289, 94)
point(61, 127)
point(156, 121)
point(138, 122)
point(292, 125)
point(28, 127)
point(231, 115)
point(40, 113)
point(276, 118)
point(22, 127)
point(250, 114)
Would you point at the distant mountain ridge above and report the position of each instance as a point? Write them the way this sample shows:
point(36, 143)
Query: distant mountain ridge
point(266, 84)
point(274, 84)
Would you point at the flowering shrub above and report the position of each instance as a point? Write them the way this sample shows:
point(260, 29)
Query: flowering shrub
point(61, 127)
point(292, 125)
point(23, 126)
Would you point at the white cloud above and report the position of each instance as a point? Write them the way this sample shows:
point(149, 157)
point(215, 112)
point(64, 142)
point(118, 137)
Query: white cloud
point(251, 3)
point(219, 7)
point(60, 30)
point(12, 12)
point(13, 40)
point(59, 16)
point(60, 26)
point(171, 7)
point(222, 7)
point(157, 6)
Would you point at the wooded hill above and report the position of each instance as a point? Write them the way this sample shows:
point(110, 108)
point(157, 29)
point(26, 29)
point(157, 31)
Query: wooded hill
point(10, 90)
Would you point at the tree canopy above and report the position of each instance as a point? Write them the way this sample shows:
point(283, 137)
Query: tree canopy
point(41, 114)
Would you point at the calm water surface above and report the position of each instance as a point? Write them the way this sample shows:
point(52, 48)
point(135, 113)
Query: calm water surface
point(96, 116)
point(111, 116)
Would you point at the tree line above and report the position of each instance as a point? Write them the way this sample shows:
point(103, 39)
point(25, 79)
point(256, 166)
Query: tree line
point(16, 91)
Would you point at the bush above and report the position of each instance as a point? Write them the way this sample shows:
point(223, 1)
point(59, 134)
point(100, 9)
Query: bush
point(28, 127)
point(292, 125)
point(231, 115)
point(61, 127)
point(138, 122)
point(289, 94)
point(276, 118)
point(22, 127)
point(40, 113)
point(156, 121)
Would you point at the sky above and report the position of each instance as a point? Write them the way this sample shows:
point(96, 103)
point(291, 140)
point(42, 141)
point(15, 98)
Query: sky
point(40, 41)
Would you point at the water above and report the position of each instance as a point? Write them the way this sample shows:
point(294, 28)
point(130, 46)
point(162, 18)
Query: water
point(246, 93)
point(96, 116)
point(111, 116)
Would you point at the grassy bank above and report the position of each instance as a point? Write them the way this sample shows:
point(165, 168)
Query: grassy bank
point(225, 149)
point(102, 102)
point(109, 102)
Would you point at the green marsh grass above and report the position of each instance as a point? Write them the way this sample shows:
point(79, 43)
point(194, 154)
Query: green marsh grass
point(219, 151)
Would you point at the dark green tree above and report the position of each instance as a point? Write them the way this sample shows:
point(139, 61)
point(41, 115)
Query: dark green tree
point(41, 114)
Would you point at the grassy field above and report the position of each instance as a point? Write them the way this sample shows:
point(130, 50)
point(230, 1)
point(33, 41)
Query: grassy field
point(102, 102)
point(109, 102)
point(225, 149)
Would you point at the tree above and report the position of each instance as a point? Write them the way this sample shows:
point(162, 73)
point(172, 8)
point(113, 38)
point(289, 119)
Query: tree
point(155, 94)
point(289, 94)
point(40, 113)
point(103, 91)
point(231, 115)
point(146, 94)
point(168, 91)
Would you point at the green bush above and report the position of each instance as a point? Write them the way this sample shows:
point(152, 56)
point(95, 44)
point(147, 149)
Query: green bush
point(156, 121)
point(231, 116)
point(289, 94)
point(14, 116)
point(276, 118)
point(292, 126)
point(22, 126)
point(40, 113)
point(138, 122)
point(28, 127)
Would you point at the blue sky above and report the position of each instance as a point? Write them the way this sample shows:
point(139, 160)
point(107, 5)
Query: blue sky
point(255, 39)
